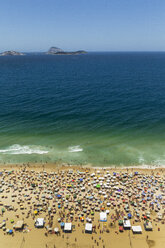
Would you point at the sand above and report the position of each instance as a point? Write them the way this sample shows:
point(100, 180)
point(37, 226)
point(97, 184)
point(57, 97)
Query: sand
point(16, 184)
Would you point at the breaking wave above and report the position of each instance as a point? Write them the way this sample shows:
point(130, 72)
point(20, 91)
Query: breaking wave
point(75, 149)
point(18, 149)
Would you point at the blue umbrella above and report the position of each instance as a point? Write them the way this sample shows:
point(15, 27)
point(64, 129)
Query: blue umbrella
point(62, 224)
point(10, 231)
point(59, 196)
point(129, 216)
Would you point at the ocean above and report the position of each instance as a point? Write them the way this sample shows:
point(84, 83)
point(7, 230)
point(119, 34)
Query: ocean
point(99, 109)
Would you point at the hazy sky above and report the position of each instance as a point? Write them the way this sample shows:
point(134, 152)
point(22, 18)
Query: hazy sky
point(96, 25)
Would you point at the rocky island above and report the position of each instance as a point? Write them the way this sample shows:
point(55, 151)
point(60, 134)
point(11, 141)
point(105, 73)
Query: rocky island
point(11, 53)
point(51, 51)
point(59, 51)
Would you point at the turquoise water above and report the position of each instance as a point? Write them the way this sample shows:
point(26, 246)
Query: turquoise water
point(101, 109)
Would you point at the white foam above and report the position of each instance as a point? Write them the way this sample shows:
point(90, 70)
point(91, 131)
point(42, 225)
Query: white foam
point(141, 160)
point(75, 149)
point(18, 149)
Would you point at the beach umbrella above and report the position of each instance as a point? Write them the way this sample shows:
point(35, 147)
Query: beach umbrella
point(120, 222)
point(58, 196)
point(35, 212)
point(10, 231)
point(62, 224)
point(3, 210)
point(121, 229)
point(12, 221)
point(98, 186)
point(129, 216)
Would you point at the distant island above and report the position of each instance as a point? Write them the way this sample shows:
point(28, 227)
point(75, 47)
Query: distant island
point(11, 53)
point(59, 51)
point(51, 51)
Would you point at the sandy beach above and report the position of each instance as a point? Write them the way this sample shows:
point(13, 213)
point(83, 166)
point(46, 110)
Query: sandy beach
point(79, 195)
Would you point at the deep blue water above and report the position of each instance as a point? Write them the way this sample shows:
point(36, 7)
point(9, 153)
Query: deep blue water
point(100, 108)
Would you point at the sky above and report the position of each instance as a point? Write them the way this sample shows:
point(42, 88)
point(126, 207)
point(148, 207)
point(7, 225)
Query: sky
point(92, 25)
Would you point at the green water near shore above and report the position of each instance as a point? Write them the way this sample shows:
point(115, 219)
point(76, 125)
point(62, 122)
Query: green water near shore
point(85, 148)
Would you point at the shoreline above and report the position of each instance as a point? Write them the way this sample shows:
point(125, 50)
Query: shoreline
point(48, 164)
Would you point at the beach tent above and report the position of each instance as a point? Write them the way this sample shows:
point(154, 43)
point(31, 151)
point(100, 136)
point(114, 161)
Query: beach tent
point(56, 230)
point(127, 224)
point(136, 229)
point(39, 223)
point(148, 226)
point(88, 228)
point(103, 216)
point(68, 227)
point(19, 225)
point(3, 224)
point(159, 216)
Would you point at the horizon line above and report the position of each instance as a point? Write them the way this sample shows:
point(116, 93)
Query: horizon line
point(89, 51)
